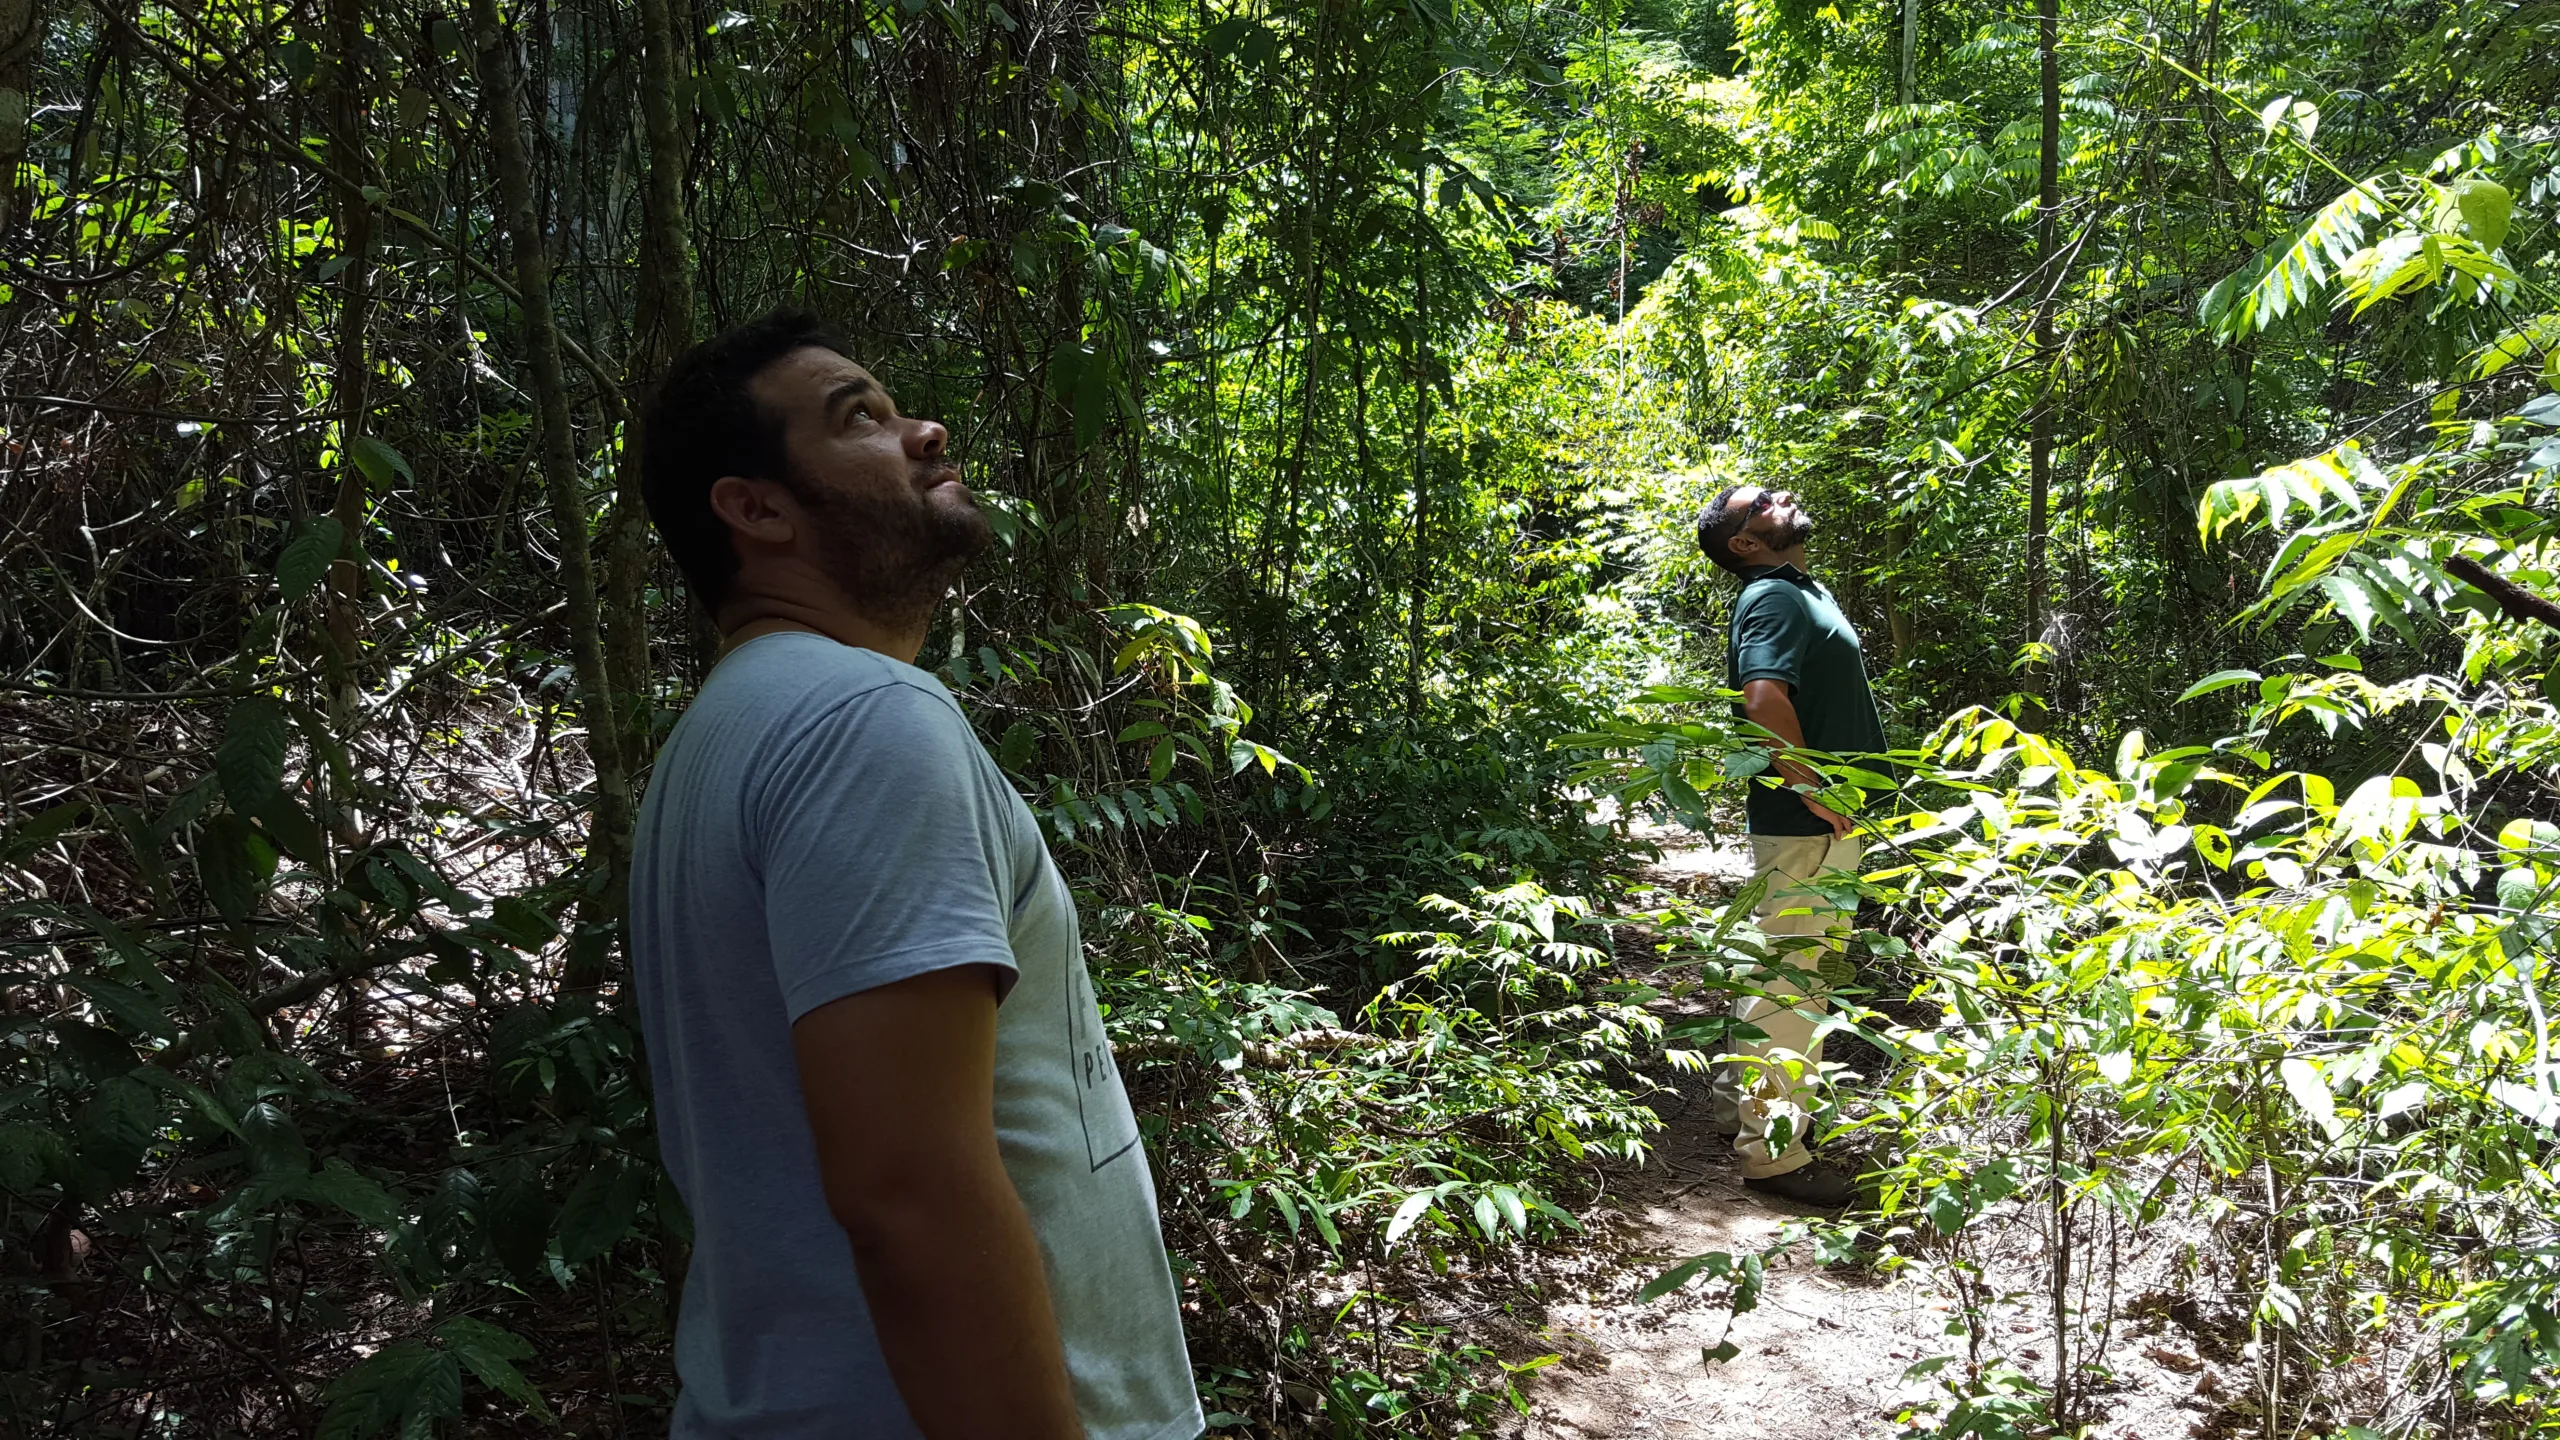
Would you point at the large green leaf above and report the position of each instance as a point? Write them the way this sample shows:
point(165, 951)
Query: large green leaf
point(515, 1216)
point(250, 759)
point(491, 1354)
point(133, 1009)
point(30, 1155)
point(2486, 208)
point(380, 463)
point(276, 1146)
point(600, 1208)
point(402, 1389)
point(116, 1124)
point(41, 829)
point(235, 862)
point(307, 556)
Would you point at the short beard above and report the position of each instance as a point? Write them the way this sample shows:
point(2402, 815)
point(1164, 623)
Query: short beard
point(1791, 537)
point(895, 564)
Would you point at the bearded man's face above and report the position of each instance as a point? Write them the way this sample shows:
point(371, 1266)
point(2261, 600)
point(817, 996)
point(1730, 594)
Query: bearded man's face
point(1777, 520)
point(896, 522)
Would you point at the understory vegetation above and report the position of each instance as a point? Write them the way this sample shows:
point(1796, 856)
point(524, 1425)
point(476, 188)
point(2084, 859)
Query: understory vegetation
point(2177, 387)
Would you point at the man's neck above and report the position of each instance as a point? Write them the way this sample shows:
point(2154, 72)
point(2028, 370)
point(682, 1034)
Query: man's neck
point(766, 616)
point(1780, 560)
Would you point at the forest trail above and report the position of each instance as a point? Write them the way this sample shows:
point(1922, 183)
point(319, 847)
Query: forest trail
point(1823, 1356)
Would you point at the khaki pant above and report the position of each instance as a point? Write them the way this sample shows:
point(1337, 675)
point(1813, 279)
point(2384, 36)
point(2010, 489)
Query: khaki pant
point(1779, 1087)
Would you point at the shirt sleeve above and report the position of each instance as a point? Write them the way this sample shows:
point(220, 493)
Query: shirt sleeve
point(881, 856)
point(1771, 629)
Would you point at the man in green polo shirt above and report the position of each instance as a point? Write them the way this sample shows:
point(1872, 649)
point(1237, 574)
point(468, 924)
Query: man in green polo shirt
point(1796, 660)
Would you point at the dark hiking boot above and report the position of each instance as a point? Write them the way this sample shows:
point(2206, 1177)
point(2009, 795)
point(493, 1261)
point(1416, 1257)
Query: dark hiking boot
point(1819, 1185)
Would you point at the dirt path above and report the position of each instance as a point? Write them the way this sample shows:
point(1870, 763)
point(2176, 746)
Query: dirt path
point(1824, 1355)
point(1822, 1358)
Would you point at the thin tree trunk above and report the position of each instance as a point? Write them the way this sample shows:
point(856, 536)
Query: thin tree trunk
point(662, 326)
point(346, 592)
point(21, 37)
point(1906, 89)
point(343, 618)
point(1907, 85)
point(1420, 587)
point(2048, 201)
point(609, 836)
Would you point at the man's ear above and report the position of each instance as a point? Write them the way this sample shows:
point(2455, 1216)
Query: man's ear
point(758, 510)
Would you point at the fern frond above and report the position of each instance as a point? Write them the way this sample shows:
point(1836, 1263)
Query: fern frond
point(2286, 277)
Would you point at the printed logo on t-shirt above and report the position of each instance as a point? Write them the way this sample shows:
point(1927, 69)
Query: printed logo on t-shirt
point(1110, 1127)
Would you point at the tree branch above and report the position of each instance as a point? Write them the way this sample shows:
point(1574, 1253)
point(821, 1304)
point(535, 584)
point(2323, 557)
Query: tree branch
point(2518, 602)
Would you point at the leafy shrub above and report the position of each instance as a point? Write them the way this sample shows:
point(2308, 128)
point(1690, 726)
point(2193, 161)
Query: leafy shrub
point(1453, 1123)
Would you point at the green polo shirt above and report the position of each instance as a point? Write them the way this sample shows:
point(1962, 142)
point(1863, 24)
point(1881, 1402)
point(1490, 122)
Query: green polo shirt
point(1787, 627)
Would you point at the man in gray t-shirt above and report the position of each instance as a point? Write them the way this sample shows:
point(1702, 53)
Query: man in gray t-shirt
point(920, 1206)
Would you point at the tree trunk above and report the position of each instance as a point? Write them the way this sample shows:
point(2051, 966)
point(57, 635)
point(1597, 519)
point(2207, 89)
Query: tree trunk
point(1420, 587)
point(609, 835)
point(343, 616)
point(662, 326)
point(346, 592)
point(21, 38)
point(2040, 445)
point(1907, 85)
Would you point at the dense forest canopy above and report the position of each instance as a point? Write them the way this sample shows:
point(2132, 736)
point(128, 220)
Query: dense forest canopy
point(2174, 385)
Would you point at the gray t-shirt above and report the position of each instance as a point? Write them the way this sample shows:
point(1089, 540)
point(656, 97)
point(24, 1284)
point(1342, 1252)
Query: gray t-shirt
point(823, 822)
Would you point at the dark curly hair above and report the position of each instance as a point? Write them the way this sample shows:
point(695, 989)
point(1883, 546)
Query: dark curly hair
point(702, 424)
point(1717, 527)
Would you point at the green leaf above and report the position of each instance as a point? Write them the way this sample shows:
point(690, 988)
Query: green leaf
point(1715, 1264)
point(2518, 889)
point(515, 1217)
point(600, 1208)
point(2486, 208)
point(521, 924)
point(250, 759)
point(1081, 377)
point(380, 462)
point(308, 555)
point(2291, 273)
point(291, 827)
point(337, 1183)
point(129, 1006)
point(404, 1388)
point(2303, 1081)
point(30, 1155)
point(1020, 743)
point(276, 1146)
point(193, 1094)
point(2218, 680)
point(2356, 600)
point(43, 828)
point(116, 1125)
point(491, 1353)
point(1408, 1213)
point(96, 1052)
point(1160, 761)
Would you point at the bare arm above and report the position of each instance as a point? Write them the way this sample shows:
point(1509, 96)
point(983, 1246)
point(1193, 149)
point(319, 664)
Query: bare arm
point(900, 1087)
point(1767, 704)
